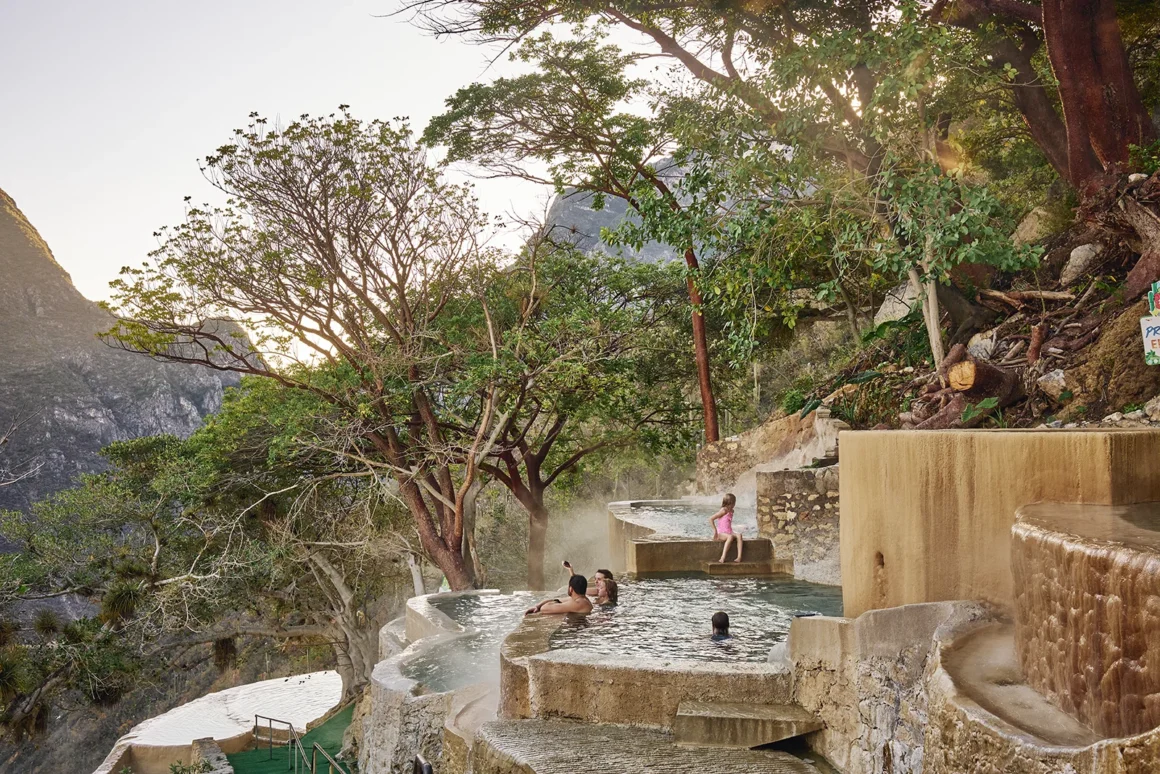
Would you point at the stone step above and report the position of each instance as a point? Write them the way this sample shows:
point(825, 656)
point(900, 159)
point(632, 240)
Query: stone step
point(737, 568)
point(724, 724)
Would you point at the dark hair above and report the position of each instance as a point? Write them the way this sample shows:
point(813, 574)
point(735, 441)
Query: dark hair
point(611, 590)
point(606, 573)
point(729, 500)
point(579, 584)
point(720, 623)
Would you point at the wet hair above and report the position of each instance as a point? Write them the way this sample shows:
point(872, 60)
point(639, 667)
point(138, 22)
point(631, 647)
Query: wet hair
point(720, 623)
point(729, 500)
point(606, 573)
point(579, 584)
point(611, 590)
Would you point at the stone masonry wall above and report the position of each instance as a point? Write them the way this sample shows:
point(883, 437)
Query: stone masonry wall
point(798, 511)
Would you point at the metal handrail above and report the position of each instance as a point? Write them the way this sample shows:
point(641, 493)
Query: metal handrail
point(293, 742)
point(331, 763)
point(421, 766)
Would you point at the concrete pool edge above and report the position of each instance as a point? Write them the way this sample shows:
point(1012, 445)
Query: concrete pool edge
point(641, 551)
point(404, 719)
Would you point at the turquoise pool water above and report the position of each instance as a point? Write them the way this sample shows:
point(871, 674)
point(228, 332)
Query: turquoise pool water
point(689, 519)
point(475, 657)
point(670, 617)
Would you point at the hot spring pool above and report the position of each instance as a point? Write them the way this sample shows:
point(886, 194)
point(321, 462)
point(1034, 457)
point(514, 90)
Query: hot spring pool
point(475, 657)
point(670, 617)
point(685, 519)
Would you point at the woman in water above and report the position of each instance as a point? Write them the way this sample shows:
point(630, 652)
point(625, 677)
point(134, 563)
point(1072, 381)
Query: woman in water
point(722, 523)
point(607, 591)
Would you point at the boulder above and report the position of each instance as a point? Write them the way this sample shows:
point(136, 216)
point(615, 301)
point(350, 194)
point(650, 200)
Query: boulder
point(1152, 409)
point(897, 304)
point(982, 345)
point(1032, 228)
point(1079, 262)
point(1053, 383)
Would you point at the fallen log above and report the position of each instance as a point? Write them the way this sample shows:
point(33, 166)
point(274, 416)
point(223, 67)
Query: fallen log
point(978, 381)
point(951, 415)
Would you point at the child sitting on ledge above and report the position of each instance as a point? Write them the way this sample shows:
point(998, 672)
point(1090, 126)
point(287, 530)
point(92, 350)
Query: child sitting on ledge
point(724, 529)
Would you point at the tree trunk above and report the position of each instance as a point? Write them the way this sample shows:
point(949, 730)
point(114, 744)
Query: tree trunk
point(537, 541)
point(701, 347)
point(416, 575)
point(470, 554)
point(927, 292)
point(1102, 108)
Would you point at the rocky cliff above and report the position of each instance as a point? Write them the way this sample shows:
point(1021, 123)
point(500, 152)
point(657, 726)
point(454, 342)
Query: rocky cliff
point(72, 393)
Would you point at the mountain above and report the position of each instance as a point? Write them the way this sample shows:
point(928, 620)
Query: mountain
point(69, 393)
point(573, 218)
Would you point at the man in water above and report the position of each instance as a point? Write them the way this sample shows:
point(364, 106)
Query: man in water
point(594, 589)
point(577, 601)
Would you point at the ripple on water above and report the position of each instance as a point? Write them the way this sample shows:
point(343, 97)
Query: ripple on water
point(475, 657)
point(686, 519)
point(670, 617)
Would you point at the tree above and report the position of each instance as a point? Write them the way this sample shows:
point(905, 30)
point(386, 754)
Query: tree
point(842, 83)
point(587, 366)
point(1103, 113)
point(339, 245)
point(246, 529)
point(570, 114)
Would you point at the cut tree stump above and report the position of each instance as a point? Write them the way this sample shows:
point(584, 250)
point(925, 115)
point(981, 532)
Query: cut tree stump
point(977, 381)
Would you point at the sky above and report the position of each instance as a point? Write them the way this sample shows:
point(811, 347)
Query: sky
point(105, 107)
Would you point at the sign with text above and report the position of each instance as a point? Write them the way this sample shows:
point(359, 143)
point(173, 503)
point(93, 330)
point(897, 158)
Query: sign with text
point(1150, 327)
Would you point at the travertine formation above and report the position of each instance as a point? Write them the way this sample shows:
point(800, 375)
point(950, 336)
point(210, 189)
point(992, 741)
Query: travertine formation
point(1088, 615)
point(798, 511)
point(927, 515)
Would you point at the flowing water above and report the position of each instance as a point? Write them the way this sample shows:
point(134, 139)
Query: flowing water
point(670, 617)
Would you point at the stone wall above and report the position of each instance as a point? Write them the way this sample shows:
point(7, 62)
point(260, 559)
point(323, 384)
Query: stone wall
point(207, 750)
point(927, 514)
point(798, 511)
point(864, 678)
point(786, 442)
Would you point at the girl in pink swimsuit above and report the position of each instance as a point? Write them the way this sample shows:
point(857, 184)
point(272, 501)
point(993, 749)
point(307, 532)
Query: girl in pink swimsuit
point(722, 523)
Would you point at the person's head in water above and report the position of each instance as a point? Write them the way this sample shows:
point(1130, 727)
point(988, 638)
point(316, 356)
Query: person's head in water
point(577, 586)
point(606, 574)
point(720, 624)
point(729, 501)
point(607, 590)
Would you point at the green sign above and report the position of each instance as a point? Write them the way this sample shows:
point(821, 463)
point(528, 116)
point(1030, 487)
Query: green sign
point(1153, 298)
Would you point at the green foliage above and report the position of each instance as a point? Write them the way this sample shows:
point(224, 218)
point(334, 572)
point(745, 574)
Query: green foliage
point(792, 401)
point(200, 767)
point(975, 410)
point(1145, 159)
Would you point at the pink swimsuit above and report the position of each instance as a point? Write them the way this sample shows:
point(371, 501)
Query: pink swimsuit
point(725, 524)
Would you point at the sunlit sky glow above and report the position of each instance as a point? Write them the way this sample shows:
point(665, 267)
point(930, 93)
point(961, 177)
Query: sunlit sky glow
point(106, 107)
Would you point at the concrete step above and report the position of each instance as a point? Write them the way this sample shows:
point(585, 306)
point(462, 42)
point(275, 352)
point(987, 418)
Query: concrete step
point(730, 567)
point(567, 747)
point(724, 724)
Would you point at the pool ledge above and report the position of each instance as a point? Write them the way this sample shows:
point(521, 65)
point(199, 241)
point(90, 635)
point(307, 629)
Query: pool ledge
point(403, 719)
point(539, 683)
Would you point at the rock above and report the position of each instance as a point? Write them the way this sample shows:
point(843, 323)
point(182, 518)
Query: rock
point(1114, 417)
point(1136, 416)
point(1032, 228)
point(1152, 409)
point(1053, 383)
point(897, 304)
point(77, 393)
point(982, 345)
point(1078, 263)
point(1136, 177)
